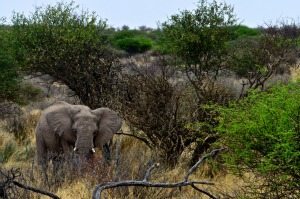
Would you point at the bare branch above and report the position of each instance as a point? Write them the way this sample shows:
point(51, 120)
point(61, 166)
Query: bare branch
point(145, 183)
point(10, 179)
point(155, 165)
point(193, 168)
point(51, 195)
point(137, 137)
point(203, 191)
point(109, 185)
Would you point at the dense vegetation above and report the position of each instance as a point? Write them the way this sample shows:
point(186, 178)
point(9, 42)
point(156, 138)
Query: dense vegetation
point(71, 47)
point(262, 133)
point(131, 41)
point(174, 98)
point(8, 69)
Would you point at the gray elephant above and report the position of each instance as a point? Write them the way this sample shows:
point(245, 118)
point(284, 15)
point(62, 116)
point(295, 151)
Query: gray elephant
point(64, 128)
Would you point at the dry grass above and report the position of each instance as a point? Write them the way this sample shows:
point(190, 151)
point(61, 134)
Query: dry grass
point(295, 73)
point(131, 159)
point(77, 189)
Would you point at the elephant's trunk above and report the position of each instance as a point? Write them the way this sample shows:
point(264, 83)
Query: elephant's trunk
point(84, 146)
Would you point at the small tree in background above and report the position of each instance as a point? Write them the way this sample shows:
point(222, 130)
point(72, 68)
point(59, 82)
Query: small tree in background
point(71, 47)
point(199, 39)
point(131, 41)
point(262, 132)
point(258, 58)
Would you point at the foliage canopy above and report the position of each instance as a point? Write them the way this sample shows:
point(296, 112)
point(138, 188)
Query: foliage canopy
point(71, 47)
point(262, 132)
point(199, 36)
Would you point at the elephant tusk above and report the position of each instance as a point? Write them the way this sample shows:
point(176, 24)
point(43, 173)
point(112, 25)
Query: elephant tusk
point(93, 150)
point(75, 149)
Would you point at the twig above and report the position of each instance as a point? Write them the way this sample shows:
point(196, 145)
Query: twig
point(203, 191)
point(108, 185)
point(149, 171)
point(51, 195)
point(10, 179)
point(193, 168)
point(137, 137)
point(145, 183)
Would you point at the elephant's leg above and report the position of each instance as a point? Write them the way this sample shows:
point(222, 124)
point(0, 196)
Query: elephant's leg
point(58, 171)
point(42, 158)
point(106, 152)
point(67, 151)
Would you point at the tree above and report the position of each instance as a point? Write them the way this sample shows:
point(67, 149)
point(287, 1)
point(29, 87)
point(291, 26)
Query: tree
point(154, 105)
point(71, 47)
point(9, 72)
point(262, 133)
point(258, 58)
point(199, 39)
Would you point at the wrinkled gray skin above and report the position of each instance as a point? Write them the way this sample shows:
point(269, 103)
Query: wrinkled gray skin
point(64, 128)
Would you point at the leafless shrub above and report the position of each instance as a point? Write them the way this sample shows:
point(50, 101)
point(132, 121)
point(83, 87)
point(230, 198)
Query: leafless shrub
point(152, 103)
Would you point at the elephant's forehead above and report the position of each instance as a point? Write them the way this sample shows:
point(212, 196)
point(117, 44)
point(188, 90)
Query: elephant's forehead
point(88, 124)
point(86, 120)
point(85, 116)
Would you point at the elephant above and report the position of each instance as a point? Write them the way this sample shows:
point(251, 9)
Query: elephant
point(64, 128)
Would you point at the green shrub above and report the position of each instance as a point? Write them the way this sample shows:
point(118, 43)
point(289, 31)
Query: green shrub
point(199, 38)
point(257, 59)
point(9, 76)
point(134, 45)
point(131, 41)
point(262, 132)
point(245, 31)
point(70, 46)
point(29, 93)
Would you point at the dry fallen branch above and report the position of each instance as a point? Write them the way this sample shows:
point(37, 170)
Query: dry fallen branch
point(145, 183)
point(10, 178)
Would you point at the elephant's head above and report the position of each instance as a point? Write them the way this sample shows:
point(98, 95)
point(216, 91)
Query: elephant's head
point(84, 128)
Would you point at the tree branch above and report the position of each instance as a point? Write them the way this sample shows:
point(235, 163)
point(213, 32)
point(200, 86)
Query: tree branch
point(10, 179)
point(203, 191)
point(145, 183)
point(193, 168)
point(149, 171)
point(137, 137)
point(109, 185)
point(51, 195)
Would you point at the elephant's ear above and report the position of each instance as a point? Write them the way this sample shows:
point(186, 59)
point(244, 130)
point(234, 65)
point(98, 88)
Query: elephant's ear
point(60, 117)
point(109, 123)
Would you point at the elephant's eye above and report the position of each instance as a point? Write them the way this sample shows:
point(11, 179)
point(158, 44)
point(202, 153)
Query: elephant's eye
point(74, 131)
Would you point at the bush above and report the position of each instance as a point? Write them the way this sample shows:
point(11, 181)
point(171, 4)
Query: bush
point(71, 47)
point(257, 59)
point(262, 132)
point(134, 45)
point(9, 72)
point(153, 103)
point(131, 41)
point(242, 31)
